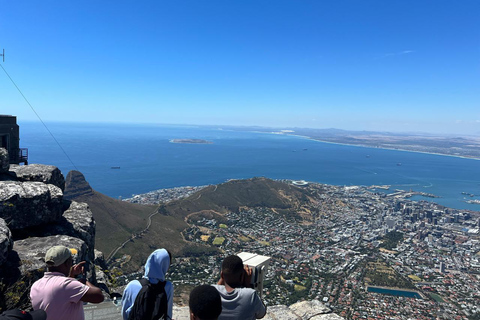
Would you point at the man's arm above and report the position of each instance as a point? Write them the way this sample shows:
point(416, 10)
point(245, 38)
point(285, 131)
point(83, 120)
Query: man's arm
point(93, 295)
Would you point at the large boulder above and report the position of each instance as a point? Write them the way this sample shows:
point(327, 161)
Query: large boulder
point(6, 242)
point(77, 221)
point(328, 316)
point(26, 264)
point(308, 309)
point(280, 312)
point(311, 310)
point(27, 204)
point(31, 251)
point(40, 173)
point(80, 217)
point(4, 160)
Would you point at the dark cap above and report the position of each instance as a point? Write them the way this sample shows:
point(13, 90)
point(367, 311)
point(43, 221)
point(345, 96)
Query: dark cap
point(23, 315)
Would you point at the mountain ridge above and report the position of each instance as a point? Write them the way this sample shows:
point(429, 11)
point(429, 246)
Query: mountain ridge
point(118, 221)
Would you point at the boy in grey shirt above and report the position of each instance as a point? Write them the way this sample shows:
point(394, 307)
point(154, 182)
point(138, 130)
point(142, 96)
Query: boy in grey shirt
point(239, 301)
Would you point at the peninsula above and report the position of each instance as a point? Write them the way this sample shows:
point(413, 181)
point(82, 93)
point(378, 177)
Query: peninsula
point(448, 145)
point(199, 141)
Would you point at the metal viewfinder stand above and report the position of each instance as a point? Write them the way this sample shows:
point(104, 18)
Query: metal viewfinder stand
point(259, 264)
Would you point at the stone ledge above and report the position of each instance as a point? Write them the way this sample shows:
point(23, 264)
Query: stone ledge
point(304, 310)
point(39, 172)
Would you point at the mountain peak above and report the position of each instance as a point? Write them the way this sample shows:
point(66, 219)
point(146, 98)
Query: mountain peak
point(76, 186)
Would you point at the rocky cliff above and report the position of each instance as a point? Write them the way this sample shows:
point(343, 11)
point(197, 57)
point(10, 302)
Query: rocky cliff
point(34, 216)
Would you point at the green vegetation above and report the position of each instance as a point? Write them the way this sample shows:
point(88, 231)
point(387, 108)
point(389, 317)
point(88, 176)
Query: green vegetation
point(414, 277)
point(218, 241)
point(436, 297)
point(391, 240)
point(223, 226)
point(244, 238)
point(298, 287)
point(379, 273)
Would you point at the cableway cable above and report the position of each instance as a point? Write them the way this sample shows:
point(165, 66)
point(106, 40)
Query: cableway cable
point(39, 117)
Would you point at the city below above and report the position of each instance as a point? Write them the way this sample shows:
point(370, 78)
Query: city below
point(365, 254)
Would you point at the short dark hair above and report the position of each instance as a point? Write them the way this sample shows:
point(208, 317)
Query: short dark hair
point(205, 302)
point(232, 269)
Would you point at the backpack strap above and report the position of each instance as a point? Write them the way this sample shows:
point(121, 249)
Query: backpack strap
point(144, 282)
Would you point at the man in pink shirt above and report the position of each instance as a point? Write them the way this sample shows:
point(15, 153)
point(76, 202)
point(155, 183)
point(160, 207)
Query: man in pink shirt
point(58, 293)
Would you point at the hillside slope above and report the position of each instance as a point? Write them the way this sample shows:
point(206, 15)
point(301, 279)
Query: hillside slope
point(118, 220)
point(234, 194)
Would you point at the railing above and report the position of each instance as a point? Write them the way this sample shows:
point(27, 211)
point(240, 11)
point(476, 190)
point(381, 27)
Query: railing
point(23, 155)
point(19, 156)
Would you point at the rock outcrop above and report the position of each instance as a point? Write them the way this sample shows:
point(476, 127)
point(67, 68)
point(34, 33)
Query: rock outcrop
point(28, 204)
point(305, 310)
point(39, 172)
point(77, 186)
point(6, 242)
point(34, 216)
point(4, 160)
point(31, 251)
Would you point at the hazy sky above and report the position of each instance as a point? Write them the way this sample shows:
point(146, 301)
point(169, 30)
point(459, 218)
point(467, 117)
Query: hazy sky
point(385, 65)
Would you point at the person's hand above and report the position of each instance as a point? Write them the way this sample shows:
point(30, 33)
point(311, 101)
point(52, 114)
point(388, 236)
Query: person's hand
point(247, 276)
point(77, 269)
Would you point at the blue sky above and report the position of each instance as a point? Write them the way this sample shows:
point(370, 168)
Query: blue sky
point(385, 65)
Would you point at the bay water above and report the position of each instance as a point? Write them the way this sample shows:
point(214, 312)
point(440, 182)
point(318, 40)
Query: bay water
point(147, 160)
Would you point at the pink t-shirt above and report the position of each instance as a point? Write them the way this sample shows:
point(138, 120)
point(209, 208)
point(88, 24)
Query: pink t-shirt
point(59, 296)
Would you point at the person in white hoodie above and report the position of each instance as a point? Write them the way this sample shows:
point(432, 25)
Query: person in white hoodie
point(155, 269)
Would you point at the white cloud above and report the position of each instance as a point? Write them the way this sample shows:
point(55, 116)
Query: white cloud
point(397, 53)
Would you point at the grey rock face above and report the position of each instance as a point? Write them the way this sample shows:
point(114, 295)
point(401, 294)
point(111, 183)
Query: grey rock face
point(6, 242)
point(280, 312)
point(181, 313)
point(40, 173)
point(329, 316)
point(77, 221)
point(27, 204)
point(31, 251)
point(26, 264)
point(4, 160)
point(81, 218)
point(307, 309)
point(100, 259)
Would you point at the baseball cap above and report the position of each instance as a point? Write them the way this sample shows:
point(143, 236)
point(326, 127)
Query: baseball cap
point(57, 255)
point(23, 315)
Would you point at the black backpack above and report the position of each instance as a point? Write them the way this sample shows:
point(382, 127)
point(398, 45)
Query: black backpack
point(151, 302)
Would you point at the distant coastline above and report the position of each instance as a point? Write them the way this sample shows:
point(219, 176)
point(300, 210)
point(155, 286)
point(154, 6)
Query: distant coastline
point(196, 141)
point(395, 149)
point(364, 145)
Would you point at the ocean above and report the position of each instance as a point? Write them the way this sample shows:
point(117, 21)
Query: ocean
point(147, 160)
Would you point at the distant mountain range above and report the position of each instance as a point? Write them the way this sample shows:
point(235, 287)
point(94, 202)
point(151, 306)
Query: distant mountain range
point(119, 222)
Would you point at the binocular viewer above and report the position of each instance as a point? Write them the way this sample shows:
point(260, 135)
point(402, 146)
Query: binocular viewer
point(259, 265)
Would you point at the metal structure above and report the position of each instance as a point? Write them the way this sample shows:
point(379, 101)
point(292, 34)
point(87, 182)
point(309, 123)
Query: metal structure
point(259, 264)
point(10, 140)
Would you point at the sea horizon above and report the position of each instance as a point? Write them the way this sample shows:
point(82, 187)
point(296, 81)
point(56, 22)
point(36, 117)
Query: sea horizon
point(148, 161)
